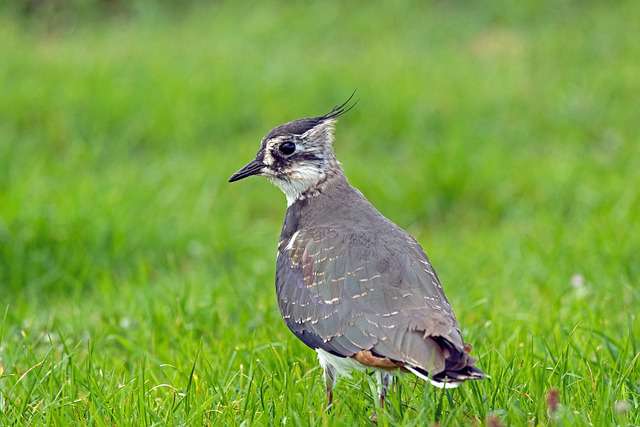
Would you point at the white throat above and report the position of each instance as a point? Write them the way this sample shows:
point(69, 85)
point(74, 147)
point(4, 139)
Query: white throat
point(302, 180)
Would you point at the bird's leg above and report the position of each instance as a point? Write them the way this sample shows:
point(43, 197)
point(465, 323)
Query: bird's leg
point(384, 379)
point(330, 380)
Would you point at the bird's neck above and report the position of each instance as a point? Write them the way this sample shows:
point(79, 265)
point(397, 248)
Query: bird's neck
point(310, 182)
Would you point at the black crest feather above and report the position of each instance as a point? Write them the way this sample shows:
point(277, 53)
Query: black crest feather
point(300, 126)
point(340, 110)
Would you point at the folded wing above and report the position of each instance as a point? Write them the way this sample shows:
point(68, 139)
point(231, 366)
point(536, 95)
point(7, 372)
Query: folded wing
point(347, 291)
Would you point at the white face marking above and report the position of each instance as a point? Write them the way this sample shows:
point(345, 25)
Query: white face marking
point(268, 157)
point(299, 176)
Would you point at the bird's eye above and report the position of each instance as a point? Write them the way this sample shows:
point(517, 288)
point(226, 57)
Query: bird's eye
point(287, 148)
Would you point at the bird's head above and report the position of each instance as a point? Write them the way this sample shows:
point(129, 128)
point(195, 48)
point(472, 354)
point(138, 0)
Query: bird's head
point(298, 155)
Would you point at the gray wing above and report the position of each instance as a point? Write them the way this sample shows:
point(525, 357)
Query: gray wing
point(347, 291)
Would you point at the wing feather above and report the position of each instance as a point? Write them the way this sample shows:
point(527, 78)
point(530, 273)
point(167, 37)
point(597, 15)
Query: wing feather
point(346, 291)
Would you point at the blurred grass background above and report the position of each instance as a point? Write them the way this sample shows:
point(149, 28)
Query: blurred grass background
point(136, 285)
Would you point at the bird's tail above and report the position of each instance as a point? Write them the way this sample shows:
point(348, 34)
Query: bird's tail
point(448, 379)
point(459, 367)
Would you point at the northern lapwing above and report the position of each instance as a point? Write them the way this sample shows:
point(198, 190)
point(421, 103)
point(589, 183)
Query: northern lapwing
point(350, 283)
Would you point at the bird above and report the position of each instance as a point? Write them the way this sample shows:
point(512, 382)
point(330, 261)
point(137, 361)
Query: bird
point(350, 283)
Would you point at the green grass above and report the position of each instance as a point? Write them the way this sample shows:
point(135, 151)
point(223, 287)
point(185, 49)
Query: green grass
point(137, 286)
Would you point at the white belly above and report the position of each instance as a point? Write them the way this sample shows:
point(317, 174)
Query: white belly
point(342, 365)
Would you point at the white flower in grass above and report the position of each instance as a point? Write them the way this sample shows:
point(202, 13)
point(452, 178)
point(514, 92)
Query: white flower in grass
point(125, 323)
point(579, 285)
point(622, 406)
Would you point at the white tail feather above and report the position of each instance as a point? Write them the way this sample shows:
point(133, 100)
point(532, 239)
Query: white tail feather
point(439, 384)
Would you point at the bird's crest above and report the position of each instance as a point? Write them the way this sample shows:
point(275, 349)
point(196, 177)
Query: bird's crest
point(302, 126)
point(340, 110)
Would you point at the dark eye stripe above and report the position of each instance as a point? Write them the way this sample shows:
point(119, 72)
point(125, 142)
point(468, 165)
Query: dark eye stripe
point(308, 157)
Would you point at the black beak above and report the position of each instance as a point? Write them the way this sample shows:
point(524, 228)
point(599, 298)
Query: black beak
point(252, 168)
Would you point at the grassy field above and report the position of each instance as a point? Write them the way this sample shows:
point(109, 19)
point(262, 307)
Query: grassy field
point(137, 286)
